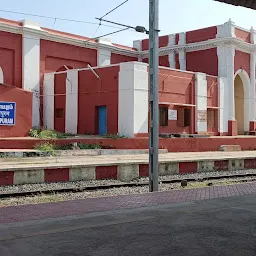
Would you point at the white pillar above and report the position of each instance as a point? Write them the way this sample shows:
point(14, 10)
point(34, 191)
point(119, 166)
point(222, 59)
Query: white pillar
point(31, 66)
point(103, 55)
point(223, 104)
point(252, 107)
point(137, 44)
point(226, 30)
point(48, 91)
point(71, 101)
point(133, 99)
point(226, 55)
point(201, 102)
point(182, 53)
point(171, 55)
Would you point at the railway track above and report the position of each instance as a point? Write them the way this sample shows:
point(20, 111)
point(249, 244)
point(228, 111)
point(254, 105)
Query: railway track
point(76, 189)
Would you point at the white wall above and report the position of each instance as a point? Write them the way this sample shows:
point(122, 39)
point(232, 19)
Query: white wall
point(182, 53)
point(31, 67)
point(201, 102)
point(171, 55)
point(71, 101)
point(133, 99)
point(1, 76)
point(48, 91)
point(223, 104)
point(104, 57)
point(226, 55)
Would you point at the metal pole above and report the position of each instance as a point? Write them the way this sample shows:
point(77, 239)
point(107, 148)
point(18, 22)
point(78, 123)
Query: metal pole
point(153, 95)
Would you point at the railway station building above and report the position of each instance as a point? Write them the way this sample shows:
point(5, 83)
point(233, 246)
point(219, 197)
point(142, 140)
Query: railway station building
point(73, 84)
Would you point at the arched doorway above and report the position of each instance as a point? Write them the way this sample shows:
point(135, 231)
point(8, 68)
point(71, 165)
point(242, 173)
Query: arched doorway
point(242, 101)
point(239, 104)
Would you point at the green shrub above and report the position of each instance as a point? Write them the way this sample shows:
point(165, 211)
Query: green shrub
point(34, 133)
point(88, 146)
point(45, 146)
point(64, 147)
point(48, 134)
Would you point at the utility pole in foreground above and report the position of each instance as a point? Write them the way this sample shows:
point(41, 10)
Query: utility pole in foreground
point(153, 95)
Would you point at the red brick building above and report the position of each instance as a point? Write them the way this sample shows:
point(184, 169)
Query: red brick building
point(206, 80)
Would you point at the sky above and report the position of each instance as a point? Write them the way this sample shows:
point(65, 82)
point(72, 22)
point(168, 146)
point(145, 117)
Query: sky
point(174, 15)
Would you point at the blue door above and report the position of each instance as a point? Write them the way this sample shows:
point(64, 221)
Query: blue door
point(102, 113)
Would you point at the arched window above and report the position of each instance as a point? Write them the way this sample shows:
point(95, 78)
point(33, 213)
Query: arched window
point(1, 76)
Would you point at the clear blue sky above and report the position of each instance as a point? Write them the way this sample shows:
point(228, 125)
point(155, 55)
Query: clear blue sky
point(175, 15)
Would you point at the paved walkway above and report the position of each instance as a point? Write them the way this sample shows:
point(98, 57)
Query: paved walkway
point(18, 163)
point(102, 204)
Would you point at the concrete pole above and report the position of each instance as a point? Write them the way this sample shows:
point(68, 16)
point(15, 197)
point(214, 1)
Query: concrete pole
point(153, 95)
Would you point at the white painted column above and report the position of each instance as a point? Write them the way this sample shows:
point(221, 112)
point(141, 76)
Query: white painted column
point(223, 104)
point(48, 92)
point(226, 30)
point(31, 66)
point(137, 44)
point(182, 53)
point(171, 55)
point(1, 76)
point(252, 108)
point(201, 103)
point(230, 54)
point(103, 54)
point(226, 67)
point(252, 77)
point(104, 57)
point(71, 101)
point(133, 99)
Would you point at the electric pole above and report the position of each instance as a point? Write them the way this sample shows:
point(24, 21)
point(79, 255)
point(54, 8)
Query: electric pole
point(153, 94)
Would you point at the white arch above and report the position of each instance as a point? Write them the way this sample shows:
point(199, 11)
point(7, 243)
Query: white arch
point(1, 75)
point(247, 101)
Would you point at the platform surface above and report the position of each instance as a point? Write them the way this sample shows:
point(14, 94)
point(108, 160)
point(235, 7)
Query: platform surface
point(37, 162)
point(205, 221)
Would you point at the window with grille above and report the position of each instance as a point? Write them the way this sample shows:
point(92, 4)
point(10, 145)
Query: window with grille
point(163, 116)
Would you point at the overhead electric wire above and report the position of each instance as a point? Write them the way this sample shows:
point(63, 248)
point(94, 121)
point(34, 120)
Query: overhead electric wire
point(114, 9)
point(56, 18)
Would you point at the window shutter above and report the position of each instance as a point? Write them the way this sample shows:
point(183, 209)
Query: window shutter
point(187, 115)
point(181, 117)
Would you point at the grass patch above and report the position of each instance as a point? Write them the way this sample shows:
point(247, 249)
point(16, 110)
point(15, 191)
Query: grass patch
point(115, 136)
point(50, 147)
point(49, 134)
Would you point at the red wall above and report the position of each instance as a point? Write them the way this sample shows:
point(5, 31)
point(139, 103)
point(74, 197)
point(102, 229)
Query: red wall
point(54, 55)
point(212, 91)
point(201, 35)
point(23, 122)
point(242, 61)
point(93, 92)
point(205, 61)
point(60, 101)
point(243, 35)
point(11, 58)
point(172, 144)
point(163, 41)
point(176, 87)
point(164, 61)
point(117, 58)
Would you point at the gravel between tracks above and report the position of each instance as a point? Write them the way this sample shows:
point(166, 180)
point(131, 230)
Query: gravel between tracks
point(102, 192)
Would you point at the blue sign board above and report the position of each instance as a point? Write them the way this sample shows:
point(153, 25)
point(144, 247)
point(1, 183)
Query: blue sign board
point(7, 113)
